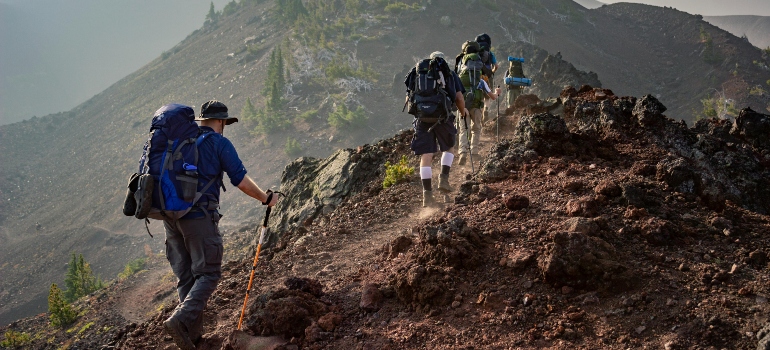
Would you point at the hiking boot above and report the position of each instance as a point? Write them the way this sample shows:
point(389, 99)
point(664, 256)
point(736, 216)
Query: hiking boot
point(178, 332)
point(427, 199)
point(196, 329)
point(443, 184)
point(461, 159)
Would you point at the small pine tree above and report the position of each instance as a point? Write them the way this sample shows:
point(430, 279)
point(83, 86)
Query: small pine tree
point(80, 279)
point(211, 17)
point(248, 112)
point(61, 312)
point(292, 147)
point(275, 100)
point(275, 73)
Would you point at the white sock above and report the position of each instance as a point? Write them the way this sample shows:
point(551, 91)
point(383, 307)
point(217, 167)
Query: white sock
point(447, 158)
point(426, 172)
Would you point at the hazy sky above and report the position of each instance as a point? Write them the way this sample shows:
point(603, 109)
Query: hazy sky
point(55, 54)
point(710, 7)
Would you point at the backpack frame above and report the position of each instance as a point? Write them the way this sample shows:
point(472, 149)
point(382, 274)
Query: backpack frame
point(166, 184)
point(428, 99)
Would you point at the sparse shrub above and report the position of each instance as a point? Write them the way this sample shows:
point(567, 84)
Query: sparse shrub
point(490, 5)
point(708, 108)
point(717, 107)
point(709, 53)
point(290, 10)
point(292, 147)
point(132, 267)
point(269, 121)
point(252, 52)
point(345, 119)
point(15, 339)
point(230, 8)
point(398, 7)
point(757, 90)
point(307, 115)
point(85, 328)
point(61, 312)
point(397, 173)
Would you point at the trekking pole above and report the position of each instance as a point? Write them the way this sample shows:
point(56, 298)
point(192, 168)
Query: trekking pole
point(259, 248)
point(497, 120)
point(470, 153)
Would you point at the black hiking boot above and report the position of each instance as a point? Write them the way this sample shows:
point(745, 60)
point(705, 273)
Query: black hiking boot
point(178, 332)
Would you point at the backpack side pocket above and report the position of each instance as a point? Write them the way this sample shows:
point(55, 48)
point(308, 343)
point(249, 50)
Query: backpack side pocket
point(129, 204)
point(143, 195)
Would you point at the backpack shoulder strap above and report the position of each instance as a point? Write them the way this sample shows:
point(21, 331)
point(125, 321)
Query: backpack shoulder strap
point(202, 137)
point(458, 60)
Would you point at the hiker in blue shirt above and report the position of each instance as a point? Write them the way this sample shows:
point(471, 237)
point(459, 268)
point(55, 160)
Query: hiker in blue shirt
point(193, 243)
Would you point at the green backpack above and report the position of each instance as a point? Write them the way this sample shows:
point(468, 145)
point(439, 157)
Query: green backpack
point(471, 70)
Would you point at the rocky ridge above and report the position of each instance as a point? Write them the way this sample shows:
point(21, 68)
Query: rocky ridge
point(610, 226)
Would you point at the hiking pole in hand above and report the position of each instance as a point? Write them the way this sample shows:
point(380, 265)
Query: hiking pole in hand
point(497, 120)
point(470, 153)
point(259, 248)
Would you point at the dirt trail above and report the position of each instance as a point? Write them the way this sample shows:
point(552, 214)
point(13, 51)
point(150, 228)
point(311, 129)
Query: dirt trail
point(143, 295)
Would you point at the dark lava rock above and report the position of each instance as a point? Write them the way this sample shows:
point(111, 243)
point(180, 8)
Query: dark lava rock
point(371, 297)
point(306, 285)
point(649, 111)
point(580, 261)
point(608, 188)
point(677, 174)
point(422, 286)
point(399, 245)
point(753, 128)
point(585, 206)
point(284, 312)
point(764, 338)
point(516, 202)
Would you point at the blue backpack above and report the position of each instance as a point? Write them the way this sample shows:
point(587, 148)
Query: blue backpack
point(166, 186)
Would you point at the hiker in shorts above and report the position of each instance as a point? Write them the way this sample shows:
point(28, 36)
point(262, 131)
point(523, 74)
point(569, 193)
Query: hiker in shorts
point(429, 138)
point(194, 243)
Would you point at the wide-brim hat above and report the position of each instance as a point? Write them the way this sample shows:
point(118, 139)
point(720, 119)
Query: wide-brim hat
point(215, 110)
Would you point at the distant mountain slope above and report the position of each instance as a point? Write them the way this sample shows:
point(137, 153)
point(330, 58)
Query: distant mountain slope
point(756, 28)
point(590, 4)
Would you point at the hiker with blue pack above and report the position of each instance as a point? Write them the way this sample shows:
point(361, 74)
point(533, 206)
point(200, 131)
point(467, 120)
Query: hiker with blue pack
point(490, 61)
point(515, 81)
point(179, 179)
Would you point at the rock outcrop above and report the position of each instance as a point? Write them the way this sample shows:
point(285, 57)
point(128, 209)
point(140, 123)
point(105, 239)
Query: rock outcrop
point(315, 187)
point(715, 160)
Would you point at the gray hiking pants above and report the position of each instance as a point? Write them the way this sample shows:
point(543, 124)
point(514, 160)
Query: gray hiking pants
point(194, 249)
